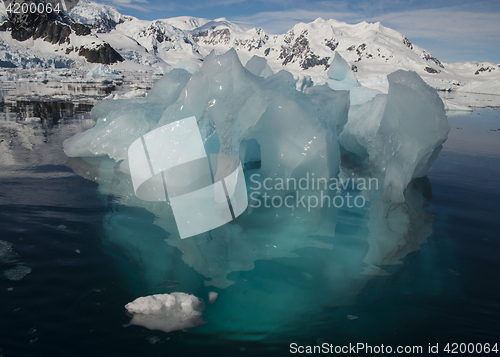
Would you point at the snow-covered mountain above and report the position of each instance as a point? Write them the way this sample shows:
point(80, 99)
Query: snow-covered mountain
point(48, 33)
point(306, 50)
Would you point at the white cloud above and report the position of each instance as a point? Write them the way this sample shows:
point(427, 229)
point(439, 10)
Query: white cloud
point(132, 4)
point(439, 23)
point(194, 5)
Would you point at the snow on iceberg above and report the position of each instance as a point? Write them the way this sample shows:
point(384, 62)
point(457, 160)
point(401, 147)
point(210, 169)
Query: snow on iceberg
point(167, 312)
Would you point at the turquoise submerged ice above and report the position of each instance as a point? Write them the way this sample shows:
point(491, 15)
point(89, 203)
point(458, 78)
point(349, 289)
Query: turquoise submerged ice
point(277, 268)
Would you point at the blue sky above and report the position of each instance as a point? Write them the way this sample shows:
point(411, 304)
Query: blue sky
point(457, 30)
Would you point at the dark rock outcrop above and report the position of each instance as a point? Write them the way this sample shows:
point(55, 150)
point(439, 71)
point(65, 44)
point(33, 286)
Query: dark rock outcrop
point(5, 26)
point(428, 57)
point(408, 43)
point(431, 70)
point(331, 44)
point(221, 36)
point(299, 50)
point(7, 64)
point(103, 53)
point(53, 32)
point(80, 29)
point(484, 69)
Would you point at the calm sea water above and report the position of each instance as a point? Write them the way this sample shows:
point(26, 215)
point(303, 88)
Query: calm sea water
point(71, 303)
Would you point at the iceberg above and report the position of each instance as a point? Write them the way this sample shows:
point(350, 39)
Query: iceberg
point(259, 66)
point(103, 72)
point(318, 228)
point(233, 108)
point(7, 254)
point(340, 76)
point(167, 312)
point(212, 296)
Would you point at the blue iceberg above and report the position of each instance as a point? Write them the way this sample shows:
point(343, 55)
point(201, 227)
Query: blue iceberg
point(336, 192)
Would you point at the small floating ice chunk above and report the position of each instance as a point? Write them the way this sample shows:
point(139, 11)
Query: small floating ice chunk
point(153, 339)
point(103, 72)
point(167, 312)
point(78, 251)
point(6, 253)
point(17, 273)
point(212, 296)
point(352, 317)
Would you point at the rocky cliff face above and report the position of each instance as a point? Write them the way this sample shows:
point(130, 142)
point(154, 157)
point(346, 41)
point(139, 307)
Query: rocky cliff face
point(103, 53)
point(56, 29)
point(297, 49)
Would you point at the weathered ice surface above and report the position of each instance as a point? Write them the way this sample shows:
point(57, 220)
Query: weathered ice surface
point(399, 134)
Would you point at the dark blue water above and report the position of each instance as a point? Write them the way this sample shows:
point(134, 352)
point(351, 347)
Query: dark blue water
point(72, 301)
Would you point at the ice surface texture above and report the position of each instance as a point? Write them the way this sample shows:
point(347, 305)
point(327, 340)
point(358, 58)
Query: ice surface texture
point(258, 66)
point(232, 107)
point(399, 134)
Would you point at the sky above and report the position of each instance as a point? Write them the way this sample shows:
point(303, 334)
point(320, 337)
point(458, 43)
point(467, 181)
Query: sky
point(452, 30)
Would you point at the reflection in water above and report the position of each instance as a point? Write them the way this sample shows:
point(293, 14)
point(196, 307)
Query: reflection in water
point(398, 229)
point(471, 100)
point(32, 132)
point(24, 84)
point(317, 260)
point(48, 113)
point(67, 85)
point(298, 296)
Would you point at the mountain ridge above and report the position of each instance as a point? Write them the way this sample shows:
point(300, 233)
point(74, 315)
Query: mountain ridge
point(307, 49)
